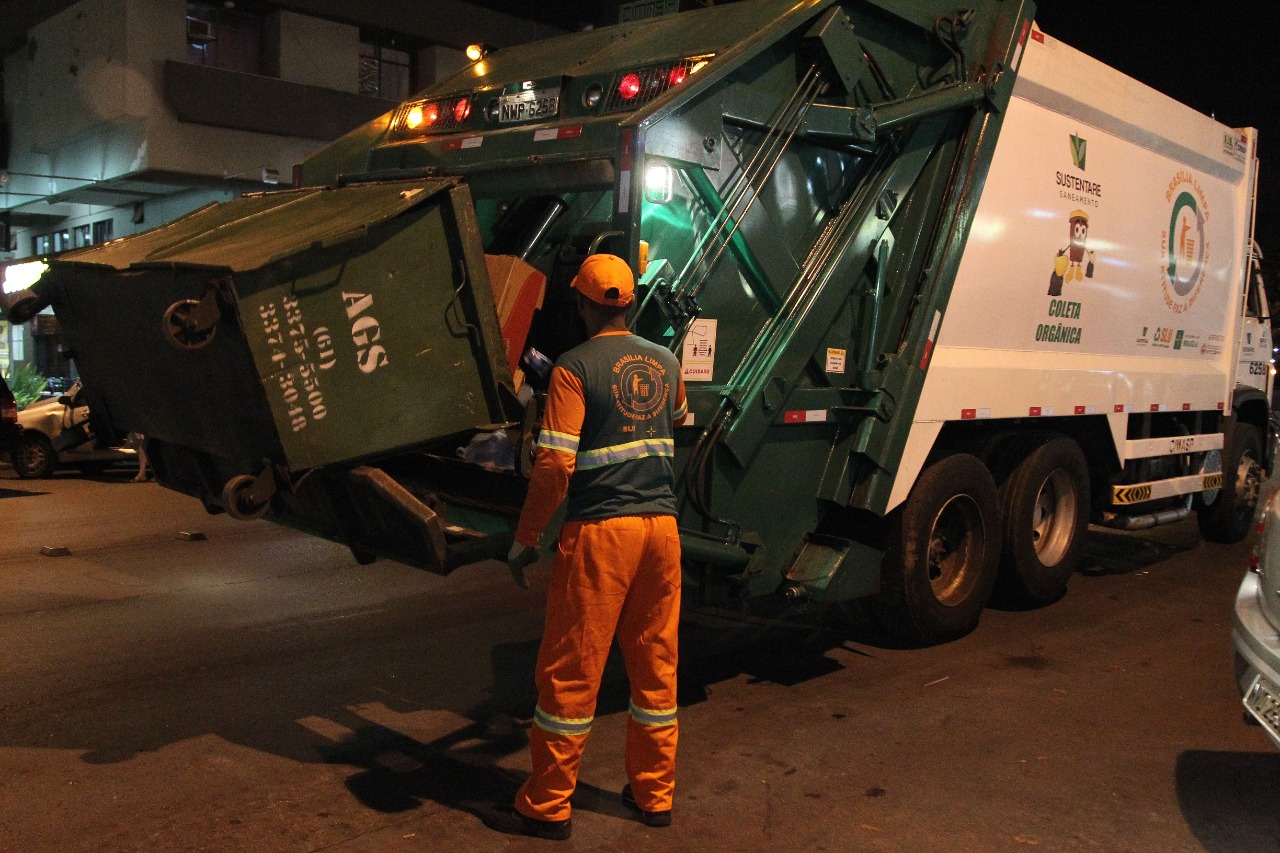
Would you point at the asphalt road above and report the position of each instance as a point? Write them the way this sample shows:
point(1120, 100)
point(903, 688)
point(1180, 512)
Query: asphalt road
point(259, 691)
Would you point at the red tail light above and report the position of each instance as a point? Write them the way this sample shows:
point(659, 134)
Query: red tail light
point(461, 110)
point(629, 86)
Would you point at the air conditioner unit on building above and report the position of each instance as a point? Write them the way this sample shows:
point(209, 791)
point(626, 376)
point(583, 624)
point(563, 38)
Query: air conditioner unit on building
point(199, 32)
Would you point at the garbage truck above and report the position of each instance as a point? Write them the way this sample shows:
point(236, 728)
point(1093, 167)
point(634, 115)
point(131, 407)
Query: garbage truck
point(944, 290)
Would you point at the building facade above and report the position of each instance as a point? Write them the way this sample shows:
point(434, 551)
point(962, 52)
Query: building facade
point(120, 115)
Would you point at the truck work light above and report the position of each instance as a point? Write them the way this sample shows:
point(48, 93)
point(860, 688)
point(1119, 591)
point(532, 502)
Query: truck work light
point(659, 182)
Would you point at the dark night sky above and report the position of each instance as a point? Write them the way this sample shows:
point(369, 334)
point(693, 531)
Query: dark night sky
point(1219, 58)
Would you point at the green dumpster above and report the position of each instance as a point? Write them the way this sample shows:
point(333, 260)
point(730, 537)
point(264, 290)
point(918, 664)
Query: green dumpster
point(265, 338)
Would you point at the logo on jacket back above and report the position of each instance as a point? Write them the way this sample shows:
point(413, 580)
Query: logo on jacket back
point(639, 386)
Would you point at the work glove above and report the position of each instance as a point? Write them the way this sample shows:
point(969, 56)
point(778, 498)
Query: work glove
point(517, 558)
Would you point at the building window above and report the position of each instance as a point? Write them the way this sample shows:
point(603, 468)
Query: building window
point(103, 230)
point(385, 72)
point(81, 235)
point(223, 37)
point(61, 241)
point(42, 244)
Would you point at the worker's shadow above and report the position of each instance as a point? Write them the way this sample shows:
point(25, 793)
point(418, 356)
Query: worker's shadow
point(461, 770)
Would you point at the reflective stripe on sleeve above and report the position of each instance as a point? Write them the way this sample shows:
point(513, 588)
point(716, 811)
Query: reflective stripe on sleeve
point(680, 412)
point(649, 717)
point(624, 452)
point(561, 441)
point(561, 725)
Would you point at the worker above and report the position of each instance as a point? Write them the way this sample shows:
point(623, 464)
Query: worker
point(606, 442)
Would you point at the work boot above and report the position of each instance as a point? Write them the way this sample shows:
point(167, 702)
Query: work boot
point(662, 818)
point(507, 820)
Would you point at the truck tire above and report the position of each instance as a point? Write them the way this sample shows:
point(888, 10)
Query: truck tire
point(1230, 516)
point(1044, 510)
point(34, 458)
point(944, 550)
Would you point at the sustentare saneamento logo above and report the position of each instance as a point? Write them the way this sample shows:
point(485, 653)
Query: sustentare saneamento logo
point(1185, 244)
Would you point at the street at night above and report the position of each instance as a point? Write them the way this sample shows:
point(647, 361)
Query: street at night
point(257, 690)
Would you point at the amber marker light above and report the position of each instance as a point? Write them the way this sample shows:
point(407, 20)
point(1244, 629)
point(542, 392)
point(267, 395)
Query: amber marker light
point(414, 119)
point(477, 52)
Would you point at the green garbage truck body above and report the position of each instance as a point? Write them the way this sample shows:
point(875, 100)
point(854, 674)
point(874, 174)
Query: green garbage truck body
point(944, 291)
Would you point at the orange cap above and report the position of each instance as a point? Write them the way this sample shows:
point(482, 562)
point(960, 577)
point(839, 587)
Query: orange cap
point(605, 279)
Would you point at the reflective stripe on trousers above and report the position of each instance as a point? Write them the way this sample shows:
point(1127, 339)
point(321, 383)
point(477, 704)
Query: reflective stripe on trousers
point(614, 575)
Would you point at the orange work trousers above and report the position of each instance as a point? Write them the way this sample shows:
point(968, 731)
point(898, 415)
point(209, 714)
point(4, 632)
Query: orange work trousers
point(616, 575)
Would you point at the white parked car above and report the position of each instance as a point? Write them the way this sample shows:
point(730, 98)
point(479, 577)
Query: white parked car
point(1256, 635)
point(55, 432)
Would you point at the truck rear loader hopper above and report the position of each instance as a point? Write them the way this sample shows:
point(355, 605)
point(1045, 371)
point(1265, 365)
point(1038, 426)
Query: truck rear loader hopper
point(924, 267)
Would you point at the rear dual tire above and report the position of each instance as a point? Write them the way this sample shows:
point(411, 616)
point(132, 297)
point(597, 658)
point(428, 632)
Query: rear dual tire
point(944, 549)
point(1044, 507)
point(959, 535)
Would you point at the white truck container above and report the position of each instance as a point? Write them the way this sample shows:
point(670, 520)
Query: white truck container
point(1108, 291)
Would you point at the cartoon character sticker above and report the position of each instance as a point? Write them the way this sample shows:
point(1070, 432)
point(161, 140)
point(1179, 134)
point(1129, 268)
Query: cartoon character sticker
point(1075, 262)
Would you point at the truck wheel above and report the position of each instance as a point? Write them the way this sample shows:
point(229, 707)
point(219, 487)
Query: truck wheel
point(943, 553)
point(34, 457)
point(1230, 516)
point(1044, 507)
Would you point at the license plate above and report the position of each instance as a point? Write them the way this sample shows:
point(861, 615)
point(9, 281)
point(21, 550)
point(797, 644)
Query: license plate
point(1262, 699)
point(529, 105)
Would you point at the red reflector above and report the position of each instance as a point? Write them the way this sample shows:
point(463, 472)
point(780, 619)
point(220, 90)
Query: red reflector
point(1034, 411)
point(677, 75)
point(968, 414)
point(1186, 407)
point(461, 110)
point(1155, 407)
point(430, 113)
point(629, 86)
point(1119, 407)
point(928, 353)
point(1079, 410)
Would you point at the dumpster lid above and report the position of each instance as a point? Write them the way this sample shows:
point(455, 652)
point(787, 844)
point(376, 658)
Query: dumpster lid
point(255, 230)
